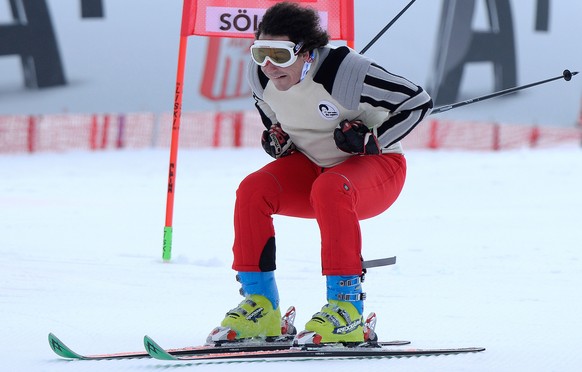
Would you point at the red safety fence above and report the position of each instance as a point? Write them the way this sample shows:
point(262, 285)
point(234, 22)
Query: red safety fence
point(65, 132)
point(465, 135)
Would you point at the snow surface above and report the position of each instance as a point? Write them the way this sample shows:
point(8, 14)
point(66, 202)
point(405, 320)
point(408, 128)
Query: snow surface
point(488, 248)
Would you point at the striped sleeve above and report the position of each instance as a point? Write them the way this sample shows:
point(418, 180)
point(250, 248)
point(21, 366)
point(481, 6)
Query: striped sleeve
point(268, 117)
point(258, 81)
point(407, 103)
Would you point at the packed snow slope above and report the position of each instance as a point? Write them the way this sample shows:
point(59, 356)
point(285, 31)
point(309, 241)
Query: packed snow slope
point(488, 248)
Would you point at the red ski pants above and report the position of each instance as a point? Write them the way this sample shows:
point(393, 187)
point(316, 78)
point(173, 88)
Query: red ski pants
point(337, 197)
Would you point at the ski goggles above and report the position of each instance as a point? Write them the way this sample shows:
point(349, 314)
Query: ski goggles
point(279, 52)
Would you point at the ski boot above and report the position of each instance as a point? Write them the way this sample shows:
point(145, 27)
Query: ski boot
point(340, 321)
point(254, 317)
point(258, 316)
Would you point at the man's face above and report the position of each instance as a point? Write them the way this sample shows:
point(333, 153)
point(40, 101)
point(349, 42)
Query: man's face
point(283, 77)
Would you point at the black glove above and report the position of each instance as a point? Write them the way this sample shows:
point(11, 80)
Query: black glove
point(276, 142)
point(354, 137)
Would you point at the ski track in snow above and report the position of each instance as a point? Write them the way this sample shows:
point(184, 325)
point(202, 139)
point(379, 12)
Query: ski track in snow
point(488, 248)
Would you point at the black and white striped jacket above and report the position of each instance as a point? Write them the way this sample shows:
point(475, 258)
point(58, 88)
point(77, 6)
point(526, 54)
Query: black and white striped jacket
point(341, 84)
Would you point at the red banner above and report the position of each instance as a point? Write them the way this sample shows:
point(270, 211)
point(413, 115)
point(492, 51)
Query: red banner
point(240, 18)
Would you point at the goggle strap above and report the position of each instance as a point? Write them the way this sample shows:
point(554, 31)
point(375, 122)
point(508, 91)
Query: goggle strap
point(297, 47)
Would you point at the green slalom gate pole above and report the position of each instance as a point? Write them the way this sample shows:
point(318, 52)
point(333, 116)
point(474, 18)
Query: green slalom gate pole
point(177, 114)
point(167, 248)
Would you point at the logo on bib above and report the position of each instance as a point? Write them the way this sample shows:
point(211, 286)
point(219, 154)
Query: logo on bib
point(327, 110)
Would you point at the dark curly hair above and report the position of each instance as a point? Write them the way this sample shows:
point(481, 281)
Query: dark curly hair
point(299, 23)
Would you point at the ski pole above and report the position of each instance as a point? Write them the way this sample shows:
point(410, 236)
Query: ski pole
point(566, 75)
point(379, 35)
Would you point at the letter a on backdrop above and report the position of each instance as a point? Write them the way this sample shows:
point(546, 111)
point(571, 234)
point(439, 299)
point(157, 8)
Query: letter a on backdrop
point(237, 19)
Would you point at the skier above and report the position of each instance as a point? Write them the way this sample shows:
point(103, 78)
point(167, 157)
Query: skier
point(333, 119)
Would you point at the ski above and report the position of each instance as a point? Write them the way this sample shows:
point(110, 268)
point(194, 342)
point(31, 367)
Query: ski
point(305, 353)
point(220, 342)
point(283, 342)
point(64, 351)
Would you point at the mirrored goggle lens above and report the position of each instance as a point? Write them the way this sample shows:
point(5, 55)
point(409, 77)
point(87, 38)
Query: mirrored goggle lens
point(282, 57)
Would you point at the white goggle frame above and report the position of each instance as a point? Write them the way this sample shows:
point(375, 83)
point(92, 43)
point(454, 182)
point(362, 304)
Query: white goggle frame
point(264, 49)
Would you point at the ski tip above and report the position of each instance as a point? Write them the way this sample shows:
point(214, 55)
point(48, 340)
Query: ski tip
point(155, 350)
point(61, 349)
